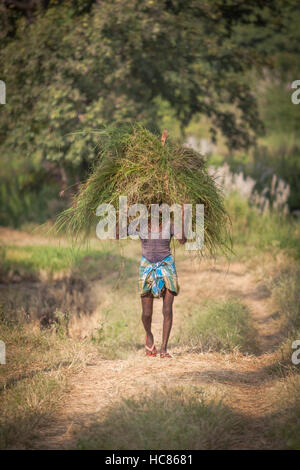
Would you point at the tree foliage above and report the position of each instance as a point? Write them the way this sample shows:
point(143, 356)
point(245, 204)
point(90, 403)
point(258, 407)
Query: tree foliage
point(72, 66)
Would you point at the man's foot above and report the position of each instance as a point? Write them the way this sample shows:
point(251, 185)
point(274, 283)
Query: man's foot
point(149, 340)
point(165, 354)
point(150, 351)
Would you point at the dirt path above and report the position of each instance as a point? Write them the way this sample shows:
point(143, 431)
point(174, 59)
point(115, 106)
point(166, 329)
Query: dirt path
point(243, 380)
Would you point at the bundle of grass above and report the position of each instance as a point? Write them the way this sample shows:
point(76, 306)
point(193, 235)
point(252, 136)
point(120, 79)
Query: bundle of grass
point(134, 162)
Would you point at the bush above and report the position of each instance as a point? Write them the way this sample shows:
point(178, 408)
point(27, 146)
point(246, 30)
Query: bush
point(263, 231)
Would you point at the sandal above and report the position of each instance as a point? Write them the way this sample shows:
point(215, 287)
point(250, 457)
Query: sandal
point(150, 351)
point(165, 354)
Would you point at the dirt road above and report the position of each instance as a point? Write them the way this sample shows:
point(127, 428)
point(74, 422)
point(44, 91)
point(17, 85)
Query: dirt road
point(242, 380)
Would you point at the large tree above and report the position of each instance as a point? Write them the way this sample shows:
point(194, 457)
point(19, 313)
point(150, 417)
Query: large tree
point(69, 69)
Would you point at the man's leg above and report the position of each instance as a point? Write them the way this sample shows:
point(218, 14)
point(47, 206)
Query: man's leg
point(147, 305)
point(168, 318)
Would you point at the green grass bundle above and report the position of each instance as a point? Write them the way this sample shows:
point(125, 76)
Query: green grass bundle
point(133, 162)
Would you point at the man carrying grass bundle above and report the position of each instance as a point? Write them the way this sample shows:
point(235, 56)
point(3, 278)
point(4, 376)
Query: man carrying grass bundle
point(157, 277)
point(134, 162)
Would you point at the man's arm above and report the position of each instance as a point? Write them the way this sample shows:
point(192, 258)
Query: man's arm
point(183, 239)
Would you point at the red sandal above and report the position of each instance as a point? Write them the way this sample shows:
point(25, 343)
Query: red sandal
point(150, 351)
point(165, 354)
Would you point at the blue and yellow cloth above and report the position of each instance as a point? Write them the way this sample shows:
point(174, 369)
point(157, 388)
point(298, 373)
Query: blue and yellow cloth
point(156, 277)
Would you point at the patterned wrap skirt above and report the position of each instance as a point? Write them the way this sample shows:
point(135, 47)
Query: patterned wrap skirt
point(156, 277)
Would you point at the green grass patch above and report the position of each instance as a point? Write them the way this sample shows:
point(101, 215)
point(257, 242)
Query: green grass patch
point(120, 331)
point(286, 296)
point(269, 231)
point(167, 418)
point(28, 261)
point(218, 326)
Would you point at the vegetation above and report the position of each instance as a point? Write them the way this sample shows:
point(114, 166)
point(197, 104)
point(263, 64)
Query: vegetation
point(255, 231)
point(219, 326)
point(54, 329)
point(30, 260)
point(173, 418)
point(74, 65)
point(128, 159)
point(285, 292)
point(215, 72)
point(118, 334)
point(288, 408)
point(33, 382)
point(287, 297)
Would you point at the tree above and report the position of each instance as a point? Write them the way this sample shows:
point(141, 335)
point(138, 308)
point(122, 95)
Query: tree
point(71, 70)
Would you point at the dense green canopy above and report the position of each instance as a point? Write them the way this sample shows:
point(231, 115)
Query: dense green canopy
point(78, 64)
point(65, 70)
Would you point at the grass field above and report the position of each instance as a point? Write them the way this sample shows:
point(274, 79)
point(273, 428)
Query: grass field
point(76, 375)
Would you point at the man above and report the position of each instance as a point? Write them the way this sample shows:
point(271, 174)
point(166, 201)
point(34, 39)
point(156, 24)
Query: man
point(158, 278)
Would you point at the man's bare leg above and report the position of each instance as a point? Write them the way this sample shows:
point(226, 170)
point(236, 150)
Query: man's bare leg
point(168, 318)
point(147, 306)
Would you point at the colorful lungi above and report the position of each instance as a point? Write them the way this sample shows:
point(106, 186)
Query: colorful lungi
point(156, 277)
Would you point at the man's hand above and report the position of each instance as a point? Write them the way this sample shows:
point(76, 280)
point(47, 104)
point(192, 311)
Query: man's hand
point(164, 136)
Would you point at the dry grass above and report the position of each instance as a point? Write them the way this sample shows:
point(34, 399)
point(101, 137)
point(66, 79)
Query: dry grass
point(165, 418)
point(129, 157)
point(284, 423)
point(218, 326)
point(34, 380)
point(59, 387)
